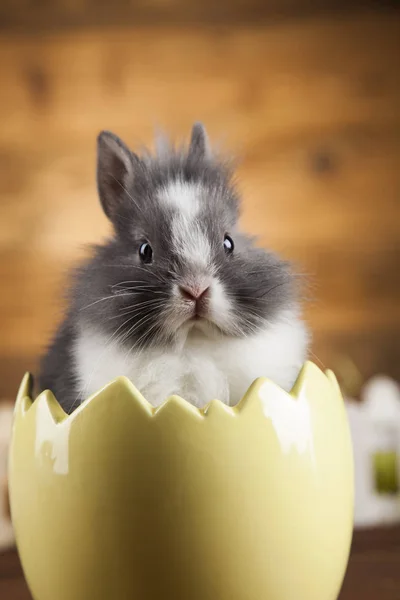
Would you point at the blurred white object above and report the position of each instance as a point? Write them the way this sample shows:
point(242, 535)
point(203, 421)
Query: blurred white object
point(375, 429)
point(6, 530)
point(381, 395)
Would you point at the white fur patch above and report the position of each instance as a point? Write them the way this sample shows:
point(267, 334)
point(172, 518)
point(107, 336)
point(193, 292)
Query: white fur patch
point(220, 305)
point(202, 368)
point(184, 197)
point(190, 242)
point(188, 238)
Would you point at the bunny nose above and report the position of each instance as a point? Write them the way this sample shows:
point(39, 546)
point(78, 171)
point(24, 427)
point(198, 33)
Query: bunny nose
point(194, 294)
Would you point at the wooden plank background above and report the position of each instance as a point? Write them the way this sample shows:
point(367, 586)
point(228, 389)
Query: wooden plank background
point(23, 15)
point(310, 103)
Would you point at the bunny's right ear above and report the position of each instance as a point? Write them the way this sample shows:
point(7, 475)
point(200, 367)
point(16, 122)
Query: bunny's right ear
point(199, 145)
point(115, 172)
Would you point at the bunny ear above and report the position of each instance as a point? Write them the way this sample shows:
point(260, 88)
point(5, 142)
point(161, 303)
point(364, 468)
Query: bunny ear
point(199, 146)
point(115, 172)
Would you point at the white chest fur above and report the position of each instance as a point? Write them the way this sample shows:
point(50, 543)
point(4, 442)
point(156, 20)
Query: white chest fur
point(201, 369)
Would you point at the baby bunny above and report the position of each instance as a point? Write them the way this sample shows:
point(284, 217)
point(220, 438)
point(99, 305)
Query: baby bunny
point(179, 300)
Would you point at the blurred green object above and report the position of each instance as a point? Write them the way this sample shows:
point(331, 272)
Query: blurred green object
point(386, 472)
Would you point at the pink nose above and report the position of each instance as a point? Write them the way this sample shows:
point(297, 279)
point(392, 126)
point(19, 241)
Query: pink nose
point(194, 293)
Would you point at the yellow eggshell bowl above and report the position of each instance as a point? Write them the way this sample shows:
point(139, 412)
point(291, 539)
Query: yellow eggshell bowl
point(124, 501)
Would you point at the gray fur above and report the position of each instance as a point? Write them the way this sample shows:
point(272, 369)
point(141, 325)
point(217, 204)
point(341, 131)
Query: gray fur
point(257, 281)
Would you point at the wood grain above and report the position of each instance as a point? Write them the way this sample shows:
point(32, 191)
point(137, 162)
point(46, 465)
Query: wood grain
point(25, 15)
point(312, 106)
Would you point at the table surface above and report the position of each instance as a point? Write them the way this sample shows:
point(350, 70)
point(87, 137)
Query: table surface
point(373, 573)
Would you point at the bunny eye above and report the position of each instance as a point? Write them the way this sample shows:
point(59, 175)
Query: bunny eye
point(228, 244)
point(146, 253)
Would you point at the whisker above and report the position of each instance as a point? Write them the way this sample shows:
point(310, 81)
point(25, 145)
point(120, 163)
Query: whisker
point(135, 326)
point(143, 336)
point(149, 272)
point(321, 363)
point(273, 288)
point(150, 293)
point(135, 281)
point(136, 309)
point(102, 300)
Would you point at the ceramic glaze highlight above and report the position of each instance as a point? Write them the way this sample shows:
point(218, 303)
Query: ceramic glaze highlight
point(124, 500)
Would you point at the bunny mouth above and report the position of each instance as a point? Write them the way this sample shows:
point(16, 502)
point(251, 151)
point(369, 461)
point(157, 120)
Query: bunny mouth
point(198, 316)
point(200, 312)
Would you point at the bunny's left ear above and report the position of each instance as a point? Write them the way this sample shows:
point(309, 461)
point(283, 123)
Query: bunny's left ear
point(199, 146)
point(116, 167)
